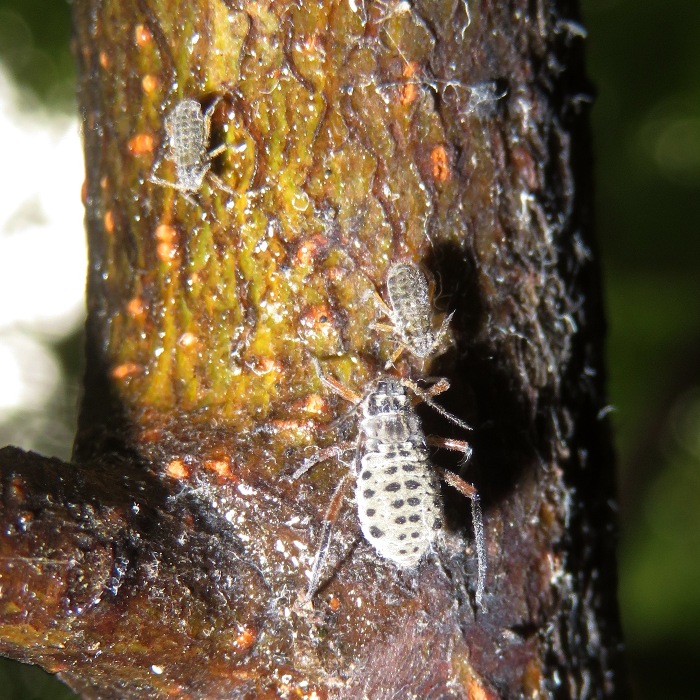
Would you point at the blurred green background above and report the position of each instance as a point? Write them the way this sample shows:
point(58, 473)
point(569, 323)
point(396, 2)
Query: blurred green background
point(644, 59)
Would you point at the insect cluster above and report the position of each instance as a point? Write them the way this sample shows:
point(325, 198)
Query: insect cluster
point(397, 492)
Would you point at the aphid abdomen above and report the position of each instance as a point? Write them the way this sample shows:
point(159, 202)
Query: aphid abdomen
point(187, 132)
point(398, 503)
point(187, 129)
point(409, 298)
point(397, 493)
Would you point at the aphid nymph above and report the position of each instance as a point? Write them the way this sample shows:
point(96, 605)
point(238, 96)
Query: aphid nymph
point(187, 130)
point(410, 311)
point(399, 504)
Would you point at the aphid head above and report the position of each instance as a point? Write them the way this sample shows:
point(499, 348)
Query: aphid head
point(388, 396)
point(389, 387)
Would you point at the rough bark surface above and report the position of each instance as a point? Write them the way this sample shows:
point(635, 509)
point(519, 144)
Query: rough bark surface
point(168, 560)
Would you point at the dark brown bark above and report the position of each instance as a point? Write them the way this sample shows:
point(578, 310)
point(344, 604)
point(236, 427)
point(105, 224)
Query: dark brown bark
point(168, 561)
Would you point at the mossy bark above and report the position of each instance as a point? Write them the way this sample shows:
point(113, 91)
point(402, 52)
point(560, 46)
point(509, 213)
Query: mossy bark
point(168, 560)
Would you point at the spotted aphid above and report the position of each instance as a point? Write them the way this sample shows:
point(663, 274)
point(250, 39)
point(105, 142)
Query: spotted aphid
point(410, 311)
point(187, 129)
point(397, 493)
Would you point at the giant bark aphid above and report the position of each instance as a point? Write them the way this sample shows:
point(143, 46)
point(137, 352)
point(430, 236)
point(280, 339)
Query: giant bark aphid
point(410, 311)
point(397, 492)
point(187, 130)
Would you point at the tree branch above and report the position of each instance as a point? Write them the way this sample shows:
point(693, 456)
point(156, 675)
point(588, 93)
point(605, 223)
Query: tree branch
point(169, 560)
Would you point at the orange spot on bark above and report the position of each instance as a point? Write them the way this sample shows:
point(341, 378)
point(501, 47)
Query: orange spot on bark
point(57, 667)
point(104, 60)
point(104, 182)
point(265, 365)
point(315, 404)
point(135, 307)
point(165, 233)
point(309, 44)
point(308, 249)
point(142, 35)
point(125, 370)
point(166, 236)
point(140, 144)
point(165, 252)
point(318, 316)
point(83, 192)
point(476, 691)
point(109, 221)
point(177, 470)
point(335, 604)
point(149, 83)
point(16, 490)
point(409, 91)
point(220, 466)
point(440, 163)
point(245, 639)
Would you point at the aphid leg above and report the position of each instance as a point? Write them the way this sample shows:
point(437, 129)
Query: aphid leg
point(165, 183)
point(391, 362)
point(329, 518)
point(478, 523)
point(387, 328)
point(175, 186)
point(220, 183)
point(208, 115)
point(440, 385)
point(380, 303)
point(426, 397)
point(335, 386)
point(341, 390)
point(217, 151)
point(383, 327)
point(455, 445)
point(322, 456)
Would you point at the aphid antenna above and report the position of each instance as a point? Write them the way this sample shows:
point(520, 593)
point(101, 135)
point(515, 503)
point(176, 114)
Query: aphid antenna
point(426, 397)
point(321, 456)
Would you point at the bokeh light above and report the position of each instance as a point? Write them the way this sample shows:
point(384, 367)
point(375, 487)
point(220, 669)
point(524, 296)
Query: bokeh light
point(42, 264)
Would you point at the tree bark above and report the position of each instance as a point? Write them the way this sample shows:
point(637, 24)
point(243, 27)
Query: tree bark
point(170, 558)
